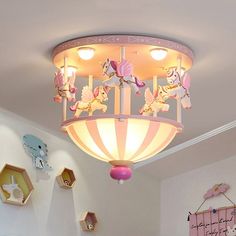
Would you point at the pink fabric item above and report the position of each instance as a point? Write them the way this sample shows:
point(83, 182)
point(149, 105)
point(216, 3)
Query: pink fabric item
point(120, 172)
point(216, 190)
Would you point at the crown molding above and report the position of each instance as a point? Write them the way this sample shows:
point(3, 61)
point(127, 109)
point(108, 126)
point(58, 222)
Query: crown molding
point(187, 144)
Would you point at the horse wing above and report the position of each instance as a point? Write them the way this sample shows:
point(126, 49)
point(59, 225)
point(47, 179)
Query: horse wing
point(148, 96)
point(124, 68)
point(59, 79)
point(186, 80)
point(87, 94)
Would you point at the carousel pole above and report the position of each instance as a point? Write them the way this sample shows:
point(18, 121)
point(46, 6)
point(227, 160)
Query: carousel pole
point(154, 88)
point(179, 108)
point(64, 100)
point(122, 89)
point(125, 91)
point(154, 84)
point(90, 84)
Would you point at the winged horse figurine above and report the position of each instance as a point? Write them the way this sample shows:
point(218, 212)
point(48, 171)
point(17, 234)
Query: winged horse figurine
point(178, 87)
point(155, 102)
point(91, 101)
point(121, 74)
point(64, 88)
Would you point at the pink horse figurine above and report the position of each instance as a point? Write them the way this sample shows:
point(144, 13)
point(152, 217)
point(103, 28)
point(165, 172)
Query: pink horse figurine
point(121, 74)
point(64, 88)
point(91, 101)
point(178, 87)
point(155, 102)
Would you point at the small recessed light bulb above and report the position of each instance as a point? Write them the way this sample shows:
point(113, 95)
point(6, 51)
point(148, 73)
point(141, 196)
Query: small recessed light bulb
point(158, 54)
point(70, 70)
point(86, 53)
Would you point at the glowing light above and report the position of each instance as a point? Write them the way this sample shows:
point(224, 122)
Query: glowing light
point(124, 141)
point(158, 54)
point(70, 70)
point(86, 53)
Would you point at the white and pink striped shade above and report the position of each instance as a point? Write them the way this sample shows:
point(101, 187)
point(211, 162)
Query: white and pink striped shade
point(122, 137)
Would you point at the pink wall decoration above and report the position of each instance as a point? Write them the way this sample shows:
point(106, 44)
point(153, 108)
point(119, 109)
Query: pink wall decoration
point(214, 222)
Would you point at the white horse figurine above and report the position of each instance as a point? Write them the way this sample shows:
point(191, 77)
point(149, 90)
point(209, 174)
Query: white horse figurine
point(15, 192)
point(178, 87)
point(156, 102)
point(64, 88)
point(91, 101)
point(121, 74)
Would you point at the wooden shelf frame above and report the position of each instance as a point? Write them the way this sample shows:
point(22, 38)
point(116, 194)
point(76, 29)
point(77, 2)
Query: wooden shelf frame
point(88, 221)
point(21, 178)
point(66, 178)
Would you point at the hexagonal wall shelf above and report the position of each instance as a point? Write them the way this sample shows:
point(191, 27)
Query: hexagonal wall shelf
point(66, 178)
point(15, 185)
point(88, 221)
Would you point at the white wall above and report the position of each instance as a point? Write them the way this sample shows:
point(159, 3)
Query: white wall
point(131, 209)
point(184, 193)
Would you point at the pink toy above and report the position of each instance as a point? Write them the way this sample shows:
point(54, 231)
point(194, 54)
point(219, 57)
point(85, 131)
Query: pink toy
point(155, 103)
point(121, 74)
point(65, 88)
point(216, 190)
point(121, 173)
point(91, 101)
point(178, 89)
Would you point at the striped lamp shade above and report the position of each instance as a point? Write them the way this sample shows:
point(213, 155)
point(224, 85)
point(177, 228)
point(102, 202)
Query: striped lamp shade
point(117, 138)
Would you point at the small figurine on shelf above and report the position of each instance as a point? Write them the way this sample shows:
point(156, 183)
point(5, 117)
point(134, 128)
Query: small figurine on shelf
point(15, 192)
point(120, 74)
point(64, 88)
point(37, 149)
point(88, 221)
point(67, 182)
point(155, 103)
point(178, 87)
point(91, 101)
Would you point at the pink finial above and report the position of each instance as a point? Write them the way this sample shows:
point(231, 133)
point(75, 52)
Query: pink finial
point(120, 172)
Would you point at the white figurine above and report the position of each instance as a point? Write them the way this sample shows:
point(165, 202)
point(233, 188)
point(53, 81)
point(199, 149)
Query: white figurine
point(16, 194)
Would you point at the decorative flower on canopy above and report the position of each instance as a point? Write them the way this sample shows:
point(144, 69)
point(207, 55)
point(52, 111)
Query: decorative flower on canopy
point(216, 190)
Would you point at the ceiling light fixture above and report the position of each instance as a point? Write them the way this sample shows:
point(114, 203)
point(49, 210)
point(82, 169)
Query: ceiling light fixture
point(119, 137)
point(158, 54)
point(86, 53)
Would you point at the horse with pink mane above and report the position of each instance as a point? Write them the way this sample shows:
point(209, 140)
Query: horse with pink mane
point(91, 101)
point(121, 74)
point(178, 87)
point(65, 88)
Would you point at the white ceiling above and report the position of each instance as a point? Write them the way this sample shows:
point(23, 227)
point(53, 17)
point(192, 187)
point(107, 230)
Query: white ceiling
point(29, 29)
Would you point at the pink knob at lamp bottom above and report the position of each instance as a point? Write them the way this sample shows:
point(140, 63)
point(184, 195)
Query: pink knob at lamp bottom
point(120, 172)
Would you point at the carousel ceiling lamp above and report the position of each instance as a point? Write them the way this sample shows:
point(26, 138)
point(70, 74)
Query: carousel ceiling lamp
point(158, 54)
point(121, 138)
point(86, 53)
